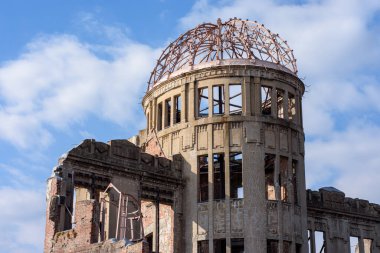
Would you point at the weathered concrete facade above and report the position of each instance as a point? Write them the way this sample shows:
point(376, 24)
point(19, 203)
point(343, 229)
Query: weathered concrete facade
point(219, 167)
point(245, 133)
point(76, 190)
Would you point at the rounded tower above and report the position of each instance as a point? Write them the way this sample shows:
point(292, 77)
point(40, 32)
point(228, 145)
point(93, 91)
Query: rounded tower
point(226, 97)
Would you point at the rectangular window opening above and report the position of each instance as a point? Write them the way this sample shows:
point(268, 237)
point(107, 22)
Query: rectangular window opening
point(178, 109)
point(203, 102)
point(235, 99)
point(280, 103)
point(149, 239)
point(237, 245)
point(291, 106)
point(203, 246)
point(220, 246)
point(168, 108)
point(287, 247)
point(219, 176)
point(218, 102)
point(159, 117)
point(283, 179)
point(269, 176)
point(203, 178)
point(320, 241)
point(294, 181)
point(367, 245)
point(236, 180)
point(272, 246)
point(298, 248)
point(354, 244)
point(266, 100)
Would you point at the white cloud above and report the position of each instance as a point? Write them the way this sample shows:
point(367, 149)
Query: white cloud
point(348, 159)
point(60, 81)
point(22, 220)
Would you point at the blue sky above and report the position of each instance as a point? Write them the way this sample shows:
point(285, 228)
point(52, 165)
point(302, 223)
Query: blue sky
point(71, 70)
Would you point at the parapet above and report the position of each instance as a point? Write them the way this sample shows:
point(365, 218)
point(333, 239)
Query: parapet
point(333, 200)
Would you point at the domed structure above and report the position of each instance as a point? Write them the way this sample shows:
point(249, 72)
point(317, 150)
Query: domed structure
point(234, 39)
point(226, 98)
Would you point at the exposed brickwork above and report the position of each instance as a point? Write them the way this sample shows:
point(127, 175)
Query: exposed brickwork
point(87, 170)
point(52, 219)
point(153, 147)
point(166, 228)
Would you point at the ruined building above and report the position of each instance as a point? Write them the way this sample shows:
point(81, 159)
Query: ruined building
point(219, 167)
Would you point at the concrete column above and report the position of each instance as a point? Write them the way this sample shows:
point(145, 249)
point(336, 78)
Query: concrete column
point(246, 97)
point(255, 204)
point(184, 99)
point(256, 94)
point(227, 99)
point(154, 114)
point(361, 244)
point(210, 187)
point(277, 173)
point(191, 99)
point(210, 103)
point(227, 189)
point(286, 105)
point(302, 201)
point(312, 241)
point(178, 224)
point(53, 211)
point(274, 102)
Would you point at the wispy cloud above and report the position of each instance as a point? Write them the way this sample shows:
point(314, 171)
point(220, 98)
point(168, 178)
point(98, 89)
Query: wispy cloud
point(22, 220)
point(60, 81)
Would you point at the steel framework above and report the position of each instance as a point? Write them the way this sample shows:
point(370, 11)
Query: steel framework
point(234, 39)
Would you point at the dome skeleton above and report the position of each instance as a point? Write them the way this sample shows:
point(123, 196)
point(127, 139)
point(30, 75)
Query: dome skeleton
point(234, 39)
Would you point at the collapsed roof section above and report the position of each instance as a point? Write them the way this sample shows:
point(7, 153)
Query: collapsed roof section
point(234, 39)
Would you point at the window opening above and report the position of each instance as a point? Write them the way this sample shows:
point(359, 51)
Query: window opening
point(236, 180)
point(168, 107)
point(218, 99)
point(220, 246)
point(266, 100)
point(159, 117)
point(149, 239)
point(269, 176)
point(235, 99)
point(298, 248)
point(286, 246)
point(125, 221)
point(294, 181)
point(280, 103)
point(203, 178)
point(367, 245)
point(237, 245)
point(320, 241)
point(74, 207)
point(272, 246)
point(291, 106)
point(354, 244)
point(219, 182)
point(203, 246)
point(309, 239)
point(283, 179)
point(203, 102)
point(178, 108)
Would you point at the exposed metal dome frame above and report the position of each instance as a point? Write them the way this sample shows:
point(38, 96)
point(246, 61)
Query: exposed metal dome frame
point(234, 39)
